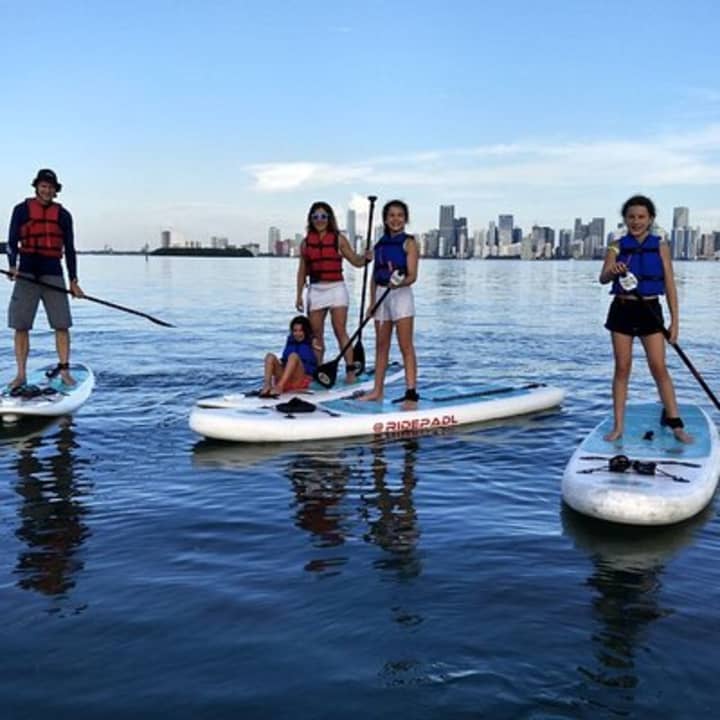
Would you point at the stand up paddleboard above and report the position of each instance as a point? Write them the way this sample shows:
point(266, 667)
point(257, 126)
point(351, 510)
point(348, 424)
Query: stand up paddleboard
point(439, 408)
point(316, 392)
point(45, 396)
point(647, 477)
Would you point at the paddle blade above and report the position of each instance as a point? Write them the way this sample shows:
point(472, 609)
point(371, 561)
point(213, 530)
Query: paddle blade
point(359, 358)
point(327, 374)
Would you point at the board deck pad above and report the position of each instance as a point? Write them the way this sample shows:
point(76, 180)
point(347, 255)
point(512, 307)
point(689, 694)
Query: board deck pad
point(642, 419)
point(659, 481)
point(48, 396)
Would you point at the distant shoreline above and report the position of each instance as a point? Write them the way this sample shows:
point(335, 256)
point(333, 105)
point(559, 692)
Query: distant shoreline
point(175, 252)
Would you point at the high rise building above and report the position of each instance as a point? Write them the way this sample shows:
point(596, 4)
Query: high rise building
point(448, 240)
point(165, 237)
point(352, 229)
point(505, 229)
point(491, 240)
point(273, 240)
point(596, 233)
point(681, 217)
point(461, 237)
point(432, 243)
point(563, 249)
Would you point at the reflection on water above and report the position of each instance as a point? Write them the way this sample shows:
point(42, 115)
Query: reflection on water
point(626, 585)
point(333, 486)
point(389, 510)
point(52, 523)
point(319, 483)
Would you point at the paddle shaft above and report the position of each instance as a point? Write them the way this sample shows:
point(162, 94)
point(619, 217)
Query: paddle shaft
point(494, 391)
point(363, 323)
point(681, 353)
point(368, 239)
point(107, 303)
point(327, 372)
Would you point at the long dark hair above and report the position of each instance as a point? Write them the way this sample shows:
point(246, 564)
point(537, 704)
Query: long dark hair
point(641, 200)
point(332, 222)
point(302, 320)
point(386, 209)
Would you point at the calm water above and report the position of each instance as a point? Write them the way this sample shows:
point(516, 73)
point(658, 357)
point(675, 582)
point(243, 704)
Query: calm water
point(148, 574)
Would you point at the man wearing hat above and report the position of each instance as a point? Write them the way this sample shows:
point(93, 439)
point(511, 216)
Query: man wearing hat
point(41, 231)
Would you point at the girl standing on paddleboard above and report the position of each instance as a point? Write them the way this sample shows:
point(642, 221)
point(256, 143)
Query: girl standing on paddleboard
point(321, 255)
point(394, 272)
point(640, 269)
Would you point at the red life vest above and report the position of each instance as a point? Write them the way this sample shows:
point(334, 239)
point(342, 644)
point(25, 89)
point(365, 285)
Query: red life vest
point(322, 258)
point(41, 234)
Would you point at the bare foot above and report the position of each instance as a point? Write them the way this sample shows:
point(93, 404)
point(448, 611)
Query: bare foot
point(370, 396)
point(350, 377)
point(16, 382)
point(67, 378)
point(613, 435)
point(682, 436)
point(409, 405)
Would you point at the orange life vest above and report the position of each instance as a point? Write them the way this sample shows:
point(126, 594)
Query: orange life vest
point(41, 234)
point(323, 260)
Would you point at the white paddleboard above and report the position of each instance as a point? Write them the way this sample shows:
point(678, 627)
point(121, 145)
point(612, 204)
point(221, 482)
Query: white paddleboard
point(440, 408)
point(47, 397)
point(315, 392)
point(682, 482)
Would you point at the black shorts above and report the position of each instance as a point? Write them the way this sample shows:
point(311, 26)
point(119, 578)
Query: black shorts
point(635, 317)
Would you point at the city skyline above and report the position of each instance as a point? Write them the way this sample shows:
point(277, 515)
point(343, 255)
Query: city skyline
point(503, 238)
point(215, 119)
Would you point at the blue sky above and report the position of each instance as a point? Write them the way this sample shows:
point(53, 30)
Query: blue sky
point(223, 118)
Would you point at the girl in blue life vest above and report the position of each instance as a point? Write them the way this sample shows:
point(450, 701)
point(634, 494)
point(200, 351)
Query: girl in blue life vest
point(321, 269)
point(640, 269)
point(395, 267)
point(294, 369)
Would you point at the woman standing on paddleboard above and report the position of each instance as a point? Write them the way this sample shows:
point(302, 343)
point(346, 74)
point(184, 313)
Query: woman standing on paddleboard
point(394, 272)
point(321, 255)
point(640, 269)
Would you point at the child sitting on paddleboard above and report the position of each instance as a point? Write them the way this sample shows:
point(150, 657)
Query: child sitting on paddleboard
point(294, 369)
point(640, 269)
point(394, 272)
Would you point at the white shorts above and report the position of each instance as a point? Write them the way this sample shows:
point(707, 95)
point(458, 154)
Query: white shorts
point(327, 295)
point(398, 304)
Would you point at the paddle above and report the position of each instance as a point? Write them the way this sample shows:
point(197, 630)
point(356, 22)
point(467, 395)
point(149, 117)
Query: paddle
point(359, 350)
point(493, 391)
point(632, 288)
point(326, 374)
point(92, 299)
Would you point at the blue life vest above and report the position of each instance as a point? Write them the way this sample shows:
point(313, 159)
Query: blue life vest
point(643, 260)
point(390, 255)
point(304, 350)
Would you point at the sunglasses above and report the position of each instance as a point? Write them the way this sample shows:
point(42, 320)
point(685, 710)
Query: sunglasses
point(319, 216)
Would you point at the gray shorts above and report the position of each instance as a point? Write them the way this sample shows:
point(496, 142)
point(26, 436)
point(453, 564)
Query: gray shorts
point(24, 304)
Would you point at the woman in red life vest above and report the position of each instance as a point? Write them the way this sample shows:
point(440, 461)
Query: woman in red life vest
point(321, 256)
point(639, 267)
point(41, 231)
